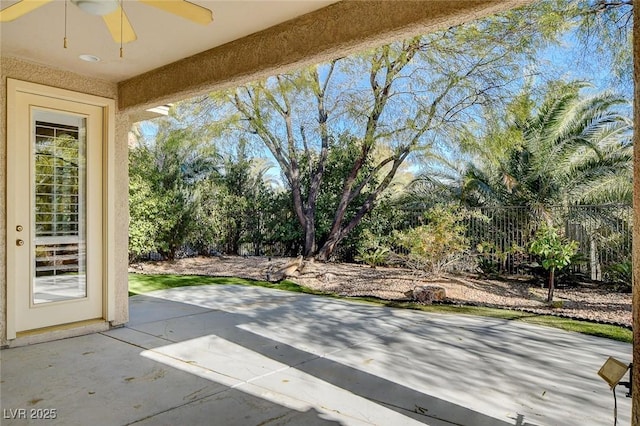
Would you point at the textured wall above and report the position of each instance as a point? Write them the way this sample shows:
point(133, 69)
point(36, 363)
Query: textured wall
point(26, 71)
point(121, 207)
point(337, 30)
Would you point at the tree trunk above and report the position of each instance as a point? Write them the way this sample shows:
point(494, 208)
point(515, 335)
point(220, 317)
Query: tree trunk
point(309, 236)
point(594, 263)
point(551, 284)
point(327, 249)
point(338, 232)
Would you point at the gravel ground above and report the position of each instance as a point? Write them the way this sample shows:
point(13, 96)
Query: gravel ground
point(392, 283)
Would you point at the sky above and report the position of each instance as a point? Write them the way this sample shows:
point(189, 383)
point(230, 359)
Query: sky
point(570, 60)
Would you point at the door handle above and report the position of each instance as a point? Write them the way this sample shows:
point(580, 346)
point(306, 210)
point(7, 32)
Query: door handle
point(19, 243)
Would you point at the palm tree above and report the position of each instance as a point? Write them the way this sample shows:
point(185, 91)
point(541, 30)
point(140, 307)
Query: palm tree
point(569, 150)
point(572, 150)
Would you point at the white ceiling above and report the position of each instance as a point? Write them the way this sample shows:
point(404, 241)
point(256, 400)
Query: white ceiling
point(162, 38)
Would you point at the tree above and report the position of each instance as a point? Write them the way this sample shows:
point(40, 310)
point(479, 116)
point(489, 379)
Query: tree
point(556, 253)
point(604, 27)
point(571, 149)
point(242, 197)
point(166, 178)
point(399, 99)
point(144, 210)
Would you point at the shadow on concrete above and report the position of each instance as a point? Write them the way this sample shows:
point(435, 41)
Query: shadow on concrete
point(100, 380)
point(247, 356)
point(392, 395)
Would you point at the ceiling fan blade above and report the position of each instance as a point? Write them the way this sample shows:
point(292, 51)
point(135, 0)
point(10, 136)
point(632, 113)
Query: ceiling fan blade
point(113, 24)
point(22, 8)
point(188, 10)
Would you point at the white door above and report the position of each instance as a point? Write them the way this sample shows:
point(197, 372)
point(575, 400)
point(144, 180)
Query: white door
point(54, 212)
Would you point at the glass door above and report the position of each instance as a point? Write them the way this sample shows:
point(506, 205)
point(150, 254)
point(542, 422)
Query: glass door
point(54, 177)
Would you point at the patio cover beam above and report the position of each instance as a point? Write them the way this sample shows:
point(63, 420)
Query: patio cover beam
point(334, 31)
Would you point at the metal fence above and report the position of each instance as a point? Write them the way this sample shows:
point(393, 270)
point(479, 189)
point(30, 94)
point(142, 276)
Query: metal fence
point(499, 236)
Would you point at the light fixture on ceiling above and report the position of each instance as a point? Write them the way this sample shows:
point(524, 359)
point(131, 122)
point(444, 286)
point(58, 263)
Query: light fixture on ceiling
point(89, 58)
point(97, 7)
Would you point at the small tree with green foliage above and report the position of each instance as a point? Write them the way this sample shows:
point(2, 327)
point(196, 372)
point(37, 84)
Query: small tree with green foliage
point(556, 252)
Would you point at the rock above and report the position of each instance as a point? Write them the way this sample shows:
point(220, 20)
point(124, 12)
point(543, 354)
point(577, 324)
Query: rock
point(427, 294)
point(327, 277)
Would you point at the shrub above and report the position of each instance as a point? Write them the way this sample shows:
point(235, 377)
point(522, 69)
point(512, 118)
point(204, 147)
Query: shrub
point(620, 275)
point(492, 260)
point(372, 250)
point(435, 246)
point(373, 256)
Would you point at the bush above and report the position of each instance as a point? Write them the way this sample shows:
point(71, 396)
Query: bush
point(491, 260)
point(620, 275)
point(438, 244)
point(372, 250)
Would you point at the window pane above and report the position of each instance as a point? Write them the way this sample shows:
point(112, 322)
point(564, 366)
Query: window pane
point(59, 200)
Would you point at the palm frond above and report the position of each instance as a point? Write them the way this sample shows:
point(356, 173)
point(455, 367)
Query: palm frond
point(574, 149)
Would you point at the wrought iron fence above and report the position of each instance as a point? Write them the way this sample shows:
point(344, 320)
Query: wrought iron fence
point(604, 233)
point(499, 236)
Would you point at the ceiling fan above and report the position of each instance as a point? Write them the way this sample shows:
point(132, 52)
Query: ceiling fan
point(113, 15)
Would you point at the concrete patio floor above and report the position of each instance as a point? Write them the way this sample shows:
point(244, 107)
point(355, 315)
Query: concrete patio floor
point(232, 355)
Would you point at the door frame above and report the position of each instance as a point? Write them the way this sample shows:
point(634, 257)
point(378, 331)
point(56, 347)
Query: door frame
point(108, 184)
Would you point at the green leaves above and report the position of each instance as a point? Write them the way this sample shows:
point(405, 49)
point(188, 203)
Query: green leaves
point(167, 175)
point(434, 246)
point(570, 149)
point(555, 251)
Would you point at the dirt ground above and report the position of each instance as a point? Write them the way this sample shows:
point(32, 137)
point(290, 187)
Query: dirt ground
point(392, 284)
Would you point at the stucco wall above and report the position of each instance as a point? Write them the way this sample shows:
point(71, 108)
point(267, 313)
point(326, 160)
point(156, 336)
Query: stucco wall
point(35, 73)
point(120, 192)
